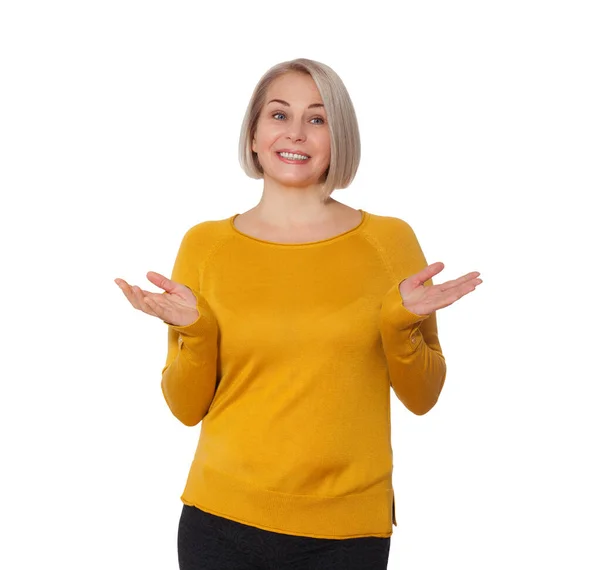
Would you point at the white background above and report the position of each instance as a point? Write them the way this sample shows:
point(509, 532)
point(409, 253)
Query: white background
point(119, 125)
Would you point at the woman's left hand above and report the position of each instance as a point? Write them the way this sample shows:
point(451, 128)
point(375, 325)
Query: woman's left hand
point(423, 300)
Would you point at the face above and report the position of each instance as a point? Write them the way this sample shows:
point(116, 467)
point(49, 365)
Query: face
point(296, 123)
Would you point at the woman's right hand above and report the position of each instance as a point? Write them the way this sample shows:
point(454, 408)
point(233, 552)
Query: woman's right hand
point(175, 306)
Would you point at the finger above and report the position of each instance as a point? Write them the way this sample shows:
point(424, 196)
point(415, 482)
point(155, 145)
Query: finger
point(467, 278)
point(429, 271)
point(121, 283)
point(470, 275)
point(138, 301)
point(161, 281)
point(139, 297)
point(142, 290)
point(469, 286)
point(141, 301)
point(454, 294)
point(129, 293)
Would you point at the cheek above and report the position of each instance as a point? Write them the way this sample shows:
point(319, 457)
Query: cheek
point(266, 138)
point(325, 140)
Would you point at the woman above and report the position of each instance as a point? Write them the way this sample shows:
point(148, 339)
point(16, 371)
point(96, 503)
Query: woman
point(287, 325)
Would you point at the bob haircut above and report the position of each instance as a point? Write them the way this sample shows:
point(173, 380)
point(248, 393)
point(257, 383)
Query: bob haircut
point(341, 118)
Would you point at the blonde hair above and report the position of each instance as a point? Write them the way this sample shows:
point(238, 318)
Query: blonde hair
point(341, 118)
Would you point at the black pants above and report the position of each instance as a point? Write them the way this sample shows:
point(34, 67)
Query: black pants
point(208, 542)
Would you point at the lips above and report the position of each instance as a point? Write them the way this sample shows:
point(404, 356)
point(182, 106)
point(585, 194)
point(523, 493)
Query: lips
point(292, 151)
point(295, 161)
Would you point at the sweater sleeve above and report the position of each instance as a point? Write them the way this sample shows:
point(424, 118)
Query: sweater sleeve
point(416, 365)
point(190, 373)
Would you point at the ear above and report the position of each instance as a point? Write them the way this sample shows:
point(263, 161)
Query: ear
point(254, 145)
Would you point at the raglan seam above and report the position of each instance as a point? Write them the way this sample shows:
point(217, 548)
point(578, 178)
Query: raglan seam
point(212, 250)
point(376, 244)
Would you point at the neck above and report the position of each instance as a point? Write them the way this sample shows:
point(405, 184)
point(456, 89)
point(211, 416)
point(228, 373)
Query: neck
point(287, 205)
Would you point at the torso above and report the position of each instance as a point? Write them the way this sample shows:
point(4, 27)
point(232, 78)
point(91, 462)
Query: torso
point(344, 219)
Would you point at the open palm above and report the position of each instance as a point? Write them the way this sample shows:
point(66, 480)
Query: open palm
point(423, 300)
point(175, 306)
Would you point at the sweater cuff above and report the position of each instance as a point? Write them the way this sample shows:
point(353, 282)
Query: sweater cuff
point(395, 313)
point(206, 319)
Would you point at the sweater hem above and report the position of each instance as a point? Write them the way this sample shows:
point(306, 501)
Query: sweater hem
point(347, 516)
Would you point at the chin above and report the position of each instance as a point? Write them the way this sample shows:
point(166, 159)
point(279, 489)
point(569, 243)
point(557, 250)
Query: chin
point(293, 180)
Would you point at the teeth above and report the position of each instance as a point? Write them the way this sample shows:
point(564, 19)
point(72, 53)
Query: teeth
point(293, 156)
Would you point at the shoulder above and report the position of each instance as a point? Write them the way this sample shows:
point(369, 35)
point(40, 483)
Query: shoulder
point(397, 242)
point(390, 228)
point(207, 231)
point(203, 237)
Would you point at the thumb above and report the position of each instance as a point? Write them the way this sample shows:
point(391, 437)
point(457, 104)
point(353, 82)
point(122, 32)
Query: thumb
point(163, 282)
point(427, 273)
point(415, 281)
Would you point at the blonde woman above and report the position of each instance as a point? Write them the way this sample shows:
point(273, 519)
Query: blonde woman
point(287, 326)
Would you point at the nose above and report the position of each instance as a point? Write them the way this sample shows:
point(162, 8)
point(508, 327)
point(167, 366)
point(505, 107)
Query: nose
point(296, 130)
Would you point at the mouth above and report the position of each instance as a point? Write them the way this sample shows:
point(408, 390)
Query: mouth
point(293, 158)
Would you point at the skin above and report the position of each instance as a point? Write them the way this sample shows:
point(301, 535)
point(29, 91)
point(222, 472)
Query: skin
point(292, 193)
point(292, 199)
point(423, 300)
point(176, 305)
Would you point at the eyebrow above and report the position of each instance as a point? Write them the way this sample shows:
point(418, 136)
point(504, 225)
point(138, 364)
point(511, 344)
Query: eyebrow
point(287, 104)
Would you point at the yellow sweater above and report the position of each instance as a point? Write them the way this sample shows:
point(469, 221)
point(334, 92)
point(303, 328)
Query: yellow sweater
point(289, 368)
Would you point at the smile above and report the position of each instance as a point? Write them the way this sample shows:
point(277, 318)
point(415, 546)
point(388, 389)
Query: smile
point(292, 158)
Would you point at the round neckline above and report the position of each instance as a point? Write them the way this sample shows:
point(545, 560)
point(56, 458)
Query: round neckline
point(364, 216)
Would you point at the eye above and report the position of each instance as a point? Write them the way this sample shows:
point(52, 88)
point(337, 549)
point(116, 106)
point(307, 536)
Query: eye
point(274, 115)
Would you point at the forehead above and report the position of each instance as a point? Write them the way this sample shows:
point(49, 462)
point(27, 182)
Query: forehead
point(294, 86)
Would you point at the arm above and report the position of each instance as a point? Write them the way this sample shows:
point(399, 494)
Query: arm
point(190, 373)
point(416, 365)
